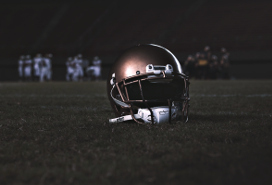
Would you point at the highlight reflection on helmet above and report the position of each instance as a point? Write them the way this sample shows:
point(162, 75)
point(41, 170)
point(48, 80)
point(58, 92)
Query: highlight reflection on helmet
point(146, 84)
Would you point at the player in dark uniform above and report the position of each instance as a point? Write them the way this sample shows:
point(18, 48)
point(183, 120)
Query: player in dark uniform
point(213, 67)
point(202, 64)
point(224, 64)
point(189, 66)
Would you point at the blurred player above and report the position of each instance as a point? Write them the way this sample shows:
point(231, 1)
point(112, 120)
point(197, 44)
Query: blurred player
point(80, 67)
point(213, 69)
point(78, 70)
point(70, 69)
point(21, 67)
point(224, 64)
point(85, 65)
point(49, 72)
point(37, 66)
point(203, 63)
point(28, 68)
point(95, 69)
point(45, 68)
point(189, 66)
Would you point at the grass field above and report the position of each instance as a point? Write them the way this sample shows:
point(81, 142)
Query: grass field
point(58, 133)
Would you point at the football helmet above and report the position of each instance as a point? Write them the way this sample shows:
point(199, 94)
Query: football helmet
point(146, 84)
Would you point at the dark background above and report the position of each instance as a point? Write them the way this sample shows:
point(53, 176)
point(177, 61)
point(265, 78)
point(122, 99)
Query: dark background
point(106, 28)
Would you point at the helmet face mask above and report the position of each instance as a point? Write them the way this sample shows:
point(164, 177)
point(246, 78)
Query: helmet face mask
point(147, 90)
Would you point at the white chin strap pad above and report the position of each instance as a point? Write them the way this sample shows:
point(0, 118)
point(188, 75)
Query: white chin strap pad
point(160, 115)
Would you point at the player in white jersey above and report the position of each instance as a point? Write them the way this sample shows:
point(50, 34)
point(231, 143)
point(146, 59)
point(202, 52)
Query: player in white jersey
point(21, 67)
point(45, 68)
point(79, 67)
point(28, 68)
point(49, 72)
point(70, 69)
point(95, 69)
point(37, 66)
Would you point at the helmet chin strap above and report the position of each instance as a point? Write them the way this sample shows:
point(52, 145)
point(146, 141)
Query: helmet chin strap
point(160, 115)
point(123, 118)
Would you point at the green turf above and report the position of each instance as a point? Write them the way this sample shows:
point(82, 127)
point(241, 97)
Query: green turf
point(58, 133)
